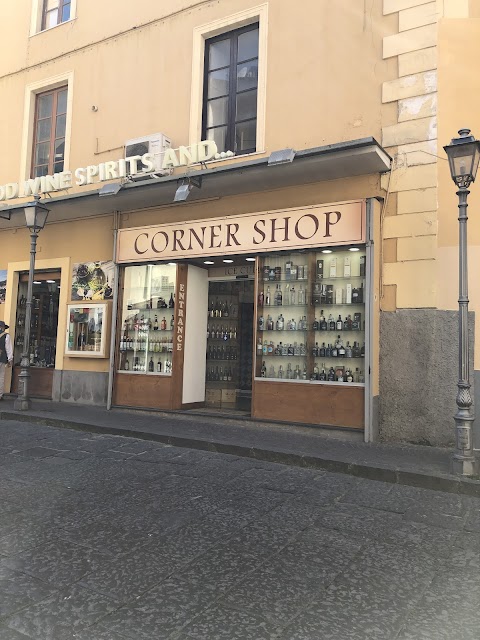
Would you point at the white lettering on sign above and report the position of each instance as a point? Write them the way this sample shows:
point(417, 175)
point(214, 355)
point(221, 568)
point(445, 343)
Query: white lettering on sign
point(180, 324)
point(114, 170)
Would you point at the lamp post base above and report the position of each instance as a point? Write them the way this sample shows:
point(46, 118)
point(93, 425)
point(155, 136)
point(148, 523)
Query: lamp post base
point(465, 465)
point(22, 404)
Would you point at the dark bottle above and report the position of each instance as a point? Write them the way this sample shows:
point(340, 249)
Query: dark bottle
point(151, 366)
point(323, 323)
point(339, 323)
point(356, 350)
point(159, 366)
point(331, 375)
point(81, 340)
point(362, 352)
point(322, 350)
point(315, 325)
point(171, 302)
point(331, 324)
point(328, 351)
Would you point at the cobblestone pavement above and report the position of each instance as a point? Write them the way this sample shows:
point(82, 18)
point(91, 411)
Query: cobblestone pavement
point(113, 538)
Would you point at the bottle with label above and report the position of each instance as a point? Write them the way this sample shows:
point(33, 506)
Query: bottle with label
point(293, 296)
point(289, 375)
point(348, 376)
point(339, 323)
point(225, 310)
point(315, 324)
point(151, 365)
point(331, 375)
point(316, 372)
point(293, 325)
point(270, 348)
point(356, 350)
point(331, 323)
point(267, 297)
point(341, 350)
point(261, 299)
point(261, 323)
point(334, 350)
point(315, 350)
point(163, 324)
point(290, 350)
point(323, 323)
point(323, 374)
point(321, 351)
point(297, 373)
point(211, 312)
point(280, 323)
point(348, 351)
point(362, 351)
point(286, 295)
point(263, 370)
point(271, 371)
point(171, 302)
point(301, 295)
point(270, 323)
point(280, 372)
point(278, 295)
point(127, 365)
point(284, 349)
point(265, 348)
point(259, 347)
point(296, 349)
point(328, 351)
point(304, 372)
point(171, 322)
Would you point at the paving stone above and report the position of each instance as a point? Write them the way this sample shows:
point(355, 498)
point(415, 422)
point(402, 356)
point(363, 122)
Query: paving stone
point(18, 590)
point(59, 563)
point(105, 537)
point(435, 518)
point(11, 634)
point(96, 632)
point(25, 538)
point(221, 623)
point(37, 452)
point(60, 615)
point(377, 495)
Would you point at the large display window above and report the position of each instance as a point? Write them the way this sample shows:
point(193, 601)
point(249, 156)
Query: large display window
point(311, 317)
point(147, 320)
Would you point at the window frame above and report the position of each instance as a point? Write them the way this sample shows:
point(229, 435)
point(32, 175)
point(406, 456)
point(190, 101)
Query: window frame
point(61, 5)
point(51, 163)
point(232, 122)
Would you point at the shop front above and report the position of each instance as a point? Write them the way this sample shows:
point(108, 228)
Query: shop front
point(269, 314)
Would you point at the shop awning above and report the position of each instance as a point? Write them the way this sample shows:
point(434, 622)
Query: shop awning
point(330, 162)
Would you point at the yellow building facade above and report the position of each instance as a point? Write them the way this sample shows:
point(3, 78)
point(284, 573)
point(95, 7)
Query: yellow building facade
point(336, 144)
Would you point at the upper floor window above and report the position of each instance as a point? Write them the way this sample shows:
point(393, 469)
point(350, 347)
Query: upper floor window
point(55, 12)
point(230, 90)
point(49, 132)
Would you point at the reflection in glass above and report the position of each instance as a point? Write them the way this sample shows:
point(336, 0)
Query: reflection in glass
point(246, 136)
point(219, 54)
point(247, 75)
point(218, 134)
point(248, 45)
point(218, 83)
point(217, 112)
point(247, 105)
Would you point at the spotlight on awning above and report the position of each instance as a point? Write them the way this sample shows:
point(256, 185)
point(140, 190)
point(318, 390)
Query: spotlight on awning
point(186, 185)
point(110, 189)
point(284, 156)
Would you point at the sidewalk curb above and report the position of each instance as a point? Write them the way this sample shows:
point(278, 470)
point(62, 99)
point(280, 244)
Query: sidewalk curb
point(446, 483)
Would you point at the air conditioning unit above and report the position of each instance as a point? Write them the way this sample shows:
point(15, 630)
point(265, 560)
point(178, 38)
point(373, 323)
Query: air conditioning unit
point(156, 144)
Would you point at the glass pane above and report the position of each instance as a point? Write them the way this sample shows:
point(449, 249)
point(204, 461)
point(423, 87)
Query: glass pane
point(60, 128)
point(247, 105)
point(219, 54)
point(59, 150)
point(219, 135)
point(51, 19)
point(44, 104)
point(217, 112)
point(62, 101)
point(246, 136)
point(44, 128)
point(218, 83)
point(42, 153)
point(58, 167)
point(247, 75)
point(66, 12)
point(40, 171)
point(51, 4)
point(248, 45)
point(86, 328)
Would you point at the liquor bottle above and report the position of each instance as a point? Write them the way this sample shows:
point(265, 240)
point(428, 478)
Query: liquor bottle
point(356, 350)
point(361, 377)
point(348, 351)
point(315, 372)
point(341, 350)
point(339, 323)
point(304, 372)
point(127, 365)
point(163, 324)
point(293, 296)
point(280, 372)
point(362, 265)
point(278, 295)
point(331, 323)
point(263, 370)
point(229, 374)
point(280, 323)
point(301, 295)
point(348, 376)
point(315, 324)
point(225, 310)
point(293, 325)
point(261, 299)
point(171, 302)
point(267, 297)
point(296, 349)
point(265, 348)
point(284, 349)
point(321, 352)
point(270, 348)
point(171, 322)
point(331, 375)
point(81, 340)
point(347, 325)
point(208, 331)
point(259, 347)
point(315, 350)
point(297, 373)
point(286, 295)
point(334, 353)
point(323, 374)
point(323, 323)
point(289, 374)
point(340, 375)
point(362, 352)
point(270, 323)
point(277, 350)
point(355, 295)
point(261, 323)
point(212, 309)
point(151, 365)
point(328, 351)
point(271, 371)
point(290, 350)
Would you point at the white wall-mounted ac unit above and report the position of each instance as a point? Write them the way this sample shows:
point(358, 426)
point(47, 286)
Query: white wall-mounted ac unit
point(155, 144)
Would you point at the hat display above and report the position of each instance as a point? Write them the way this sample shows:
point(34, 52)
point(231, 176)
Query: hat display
point(3, 326)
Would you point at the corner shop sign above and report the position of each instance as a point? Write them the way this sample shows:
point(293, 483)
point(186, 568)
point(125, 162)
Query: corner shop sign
point(315, 226)
point(111, 170)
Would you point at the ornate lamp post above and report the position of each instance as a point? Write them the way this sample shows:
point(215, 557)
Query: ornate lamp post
point(36, 214)
point(463, 156)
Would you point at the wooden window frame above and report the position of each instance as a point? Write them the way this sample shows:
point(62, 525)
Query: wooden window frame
point(53, 139)
point(61, 5)
point(232, 89)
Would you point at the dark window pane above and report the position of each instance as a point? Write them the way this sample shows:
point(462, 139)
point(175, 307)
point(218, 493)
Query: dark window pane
point(58, 167)
point(59, 150)
point(248, 45)
point(219, 135)
point(44, 106)
point(42, 153)
point(66, 12)
point(247, 105)
point(217, 112)
point(218, 83)
point(219, 54)
point(247, 75)
point(246, 136)
point(44, 128)
point(60, 128)
point(40, 171)
point(62, 101)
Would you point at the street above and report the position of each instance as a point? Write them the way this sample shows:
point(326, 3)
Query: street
point(115, 538)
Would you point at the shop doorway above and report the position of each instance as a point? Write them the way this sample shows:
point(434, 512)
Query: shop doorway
point(43, 332)
point(230, 346)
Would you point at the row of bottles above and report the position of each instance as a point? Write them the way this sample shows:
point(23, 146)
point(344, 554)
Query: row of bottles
point(291, 271)
point(268, 324)
point(222, 353)
point(142, 343)
point(141, 323)
point(151, 367)
point(221, 374)
point(338, 350)
point(221, 332)
point(288, 297)
point(160, 303)
point(328, 294)
point(281, 349)
point(323, 374)
point(222, 309)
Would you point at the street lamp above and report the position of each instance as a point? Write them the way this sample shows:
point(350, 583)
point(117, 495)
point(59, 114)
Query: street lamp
point(36, 214)
point(463, 156)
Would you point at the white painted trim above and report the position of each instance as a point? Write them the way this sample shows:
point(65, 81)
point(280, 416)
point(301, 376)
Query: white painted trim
point(31, 91)
point(211, 29)
point(36, 17)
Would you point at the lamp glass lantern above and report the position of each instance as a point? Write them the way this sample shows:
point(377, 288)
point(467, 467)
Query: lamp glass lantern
point(463, 157)
point(36, 214)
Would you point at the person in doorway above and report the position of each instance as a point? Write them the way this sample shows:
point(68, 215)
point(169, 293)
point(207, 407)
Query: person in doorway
point(6, 354)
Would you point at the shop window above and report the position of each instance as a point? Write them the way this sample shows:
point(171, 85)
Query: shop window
point(147, 320)
point(55, 12)
point(50, 122)
point(230, 91)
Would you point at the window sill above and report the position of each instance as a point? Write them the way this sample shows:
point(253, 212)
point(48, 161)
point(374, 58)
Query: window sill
point(60, 24)
point(232, 159)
